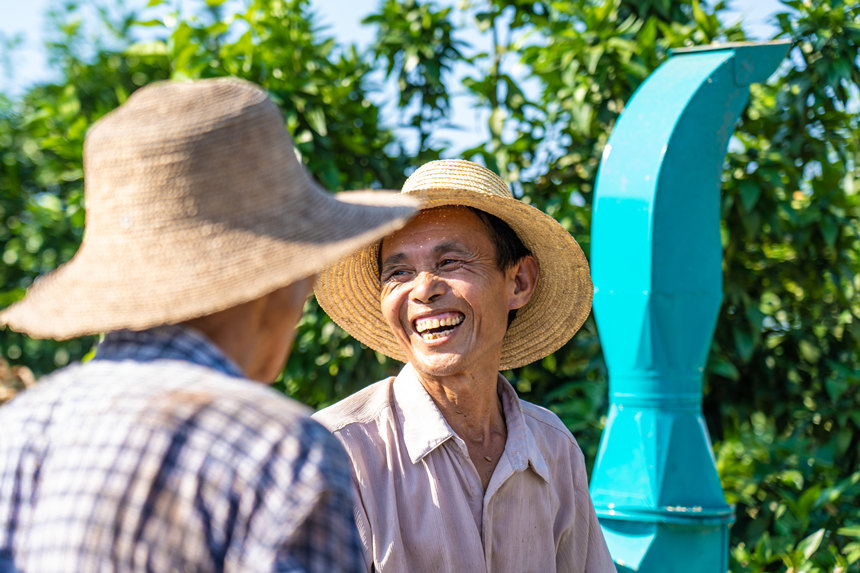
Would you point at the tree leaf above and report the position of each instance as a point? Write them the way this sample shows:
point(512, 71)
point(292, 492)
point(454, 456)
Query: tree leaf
point(810, 544)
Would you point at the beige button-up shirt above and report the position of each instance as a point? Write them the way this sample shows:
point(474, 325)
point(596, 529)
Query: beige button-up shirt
point(420, 503)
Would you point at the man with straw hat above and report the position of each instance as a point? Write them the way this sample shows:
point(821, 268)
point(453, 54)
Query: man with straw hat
point(203, 238)
point(453, 471)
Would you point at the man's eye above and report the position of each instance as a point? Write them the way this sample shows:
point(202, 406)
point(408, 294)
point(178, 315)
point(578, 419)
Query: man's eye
point(448, 262)
point(396, 274)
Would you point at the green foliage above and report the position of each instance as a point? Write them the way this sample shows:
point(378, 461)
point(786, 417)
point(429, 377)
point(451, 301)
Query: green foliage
point(415, 42)
point(318, 84)
point(797, 501)
point(788, 340)
point(783, 376)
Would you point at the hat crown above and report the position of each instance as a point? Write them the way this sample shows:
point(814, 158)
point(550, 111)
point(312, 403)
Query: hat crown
point(179, 154)
point(456, 175)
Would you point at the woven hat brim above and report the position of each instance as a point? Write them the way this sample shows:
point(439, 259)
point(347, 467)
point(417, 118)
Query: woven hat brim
point(223, 266)
point(349, 291)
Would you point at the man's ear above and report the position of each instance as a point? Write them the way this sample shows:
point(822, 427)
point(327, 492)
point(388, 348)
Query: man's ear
point(523, 277)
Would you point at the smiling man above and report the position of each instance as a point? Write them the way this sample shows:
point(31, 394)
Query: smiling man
point(453, 471)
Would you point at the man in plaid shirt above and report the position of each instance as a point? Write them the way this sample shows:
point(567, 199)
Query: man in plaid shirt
point(164, 452)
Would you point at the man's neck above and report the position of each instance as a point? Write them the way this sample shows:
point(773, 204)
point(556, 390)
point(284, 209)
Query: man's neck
point(472, 407)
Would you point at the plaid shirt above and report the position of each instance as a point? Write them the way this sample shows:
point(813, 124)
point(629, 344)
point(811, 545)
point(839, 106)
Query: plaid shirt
point(158, 456)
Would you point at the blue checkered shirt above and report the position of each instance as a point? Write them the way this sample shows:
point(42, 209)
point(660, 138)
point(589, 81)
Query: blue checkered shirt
point(158, 456)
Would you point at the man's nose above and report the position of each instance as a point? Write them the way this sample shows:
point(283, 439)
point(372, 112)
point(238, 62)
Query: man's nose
point(427, 287)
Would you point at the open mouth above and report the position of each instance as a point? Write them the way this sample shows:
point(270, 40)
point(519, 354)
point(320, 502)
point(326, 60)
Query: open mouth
point(437, 327)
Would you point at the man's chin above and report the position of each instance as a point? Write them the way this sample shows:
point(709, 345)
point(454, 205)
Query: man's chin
point(437, 365)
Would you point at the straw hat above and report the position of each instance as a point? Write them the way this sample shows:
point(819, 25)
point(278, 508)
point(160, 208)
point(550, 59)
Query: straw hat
point(196, 202)
point(350, 290)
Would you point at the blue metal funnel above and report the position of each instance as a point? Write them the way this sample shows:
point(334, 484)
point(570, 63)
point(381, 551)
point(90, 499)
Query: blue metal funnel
point(656, 264)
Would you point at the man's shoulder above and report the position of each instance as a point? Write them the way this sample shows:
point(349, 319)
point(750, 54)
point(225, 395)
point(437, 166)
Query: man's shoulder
point(555, 441)
point(545, 421)
point(363, 407)
point(172, 389)
point(201, 392)
point(226, 389)
point(223, 417)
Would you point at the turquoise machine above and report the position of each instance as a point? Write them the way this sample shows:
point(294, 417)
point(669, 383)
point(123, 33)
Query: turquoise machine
point(656, 264)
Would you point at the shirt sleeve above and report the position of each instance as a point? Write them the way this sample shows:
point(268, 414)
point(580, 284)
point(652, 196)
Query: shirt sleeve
point(585, 539)
point(599, 560)
point(362, 521)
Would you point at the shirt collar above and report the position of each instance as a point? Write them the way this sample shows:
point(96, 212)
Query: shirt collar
point(425, 428)
point(168, 342)
point(521, 447)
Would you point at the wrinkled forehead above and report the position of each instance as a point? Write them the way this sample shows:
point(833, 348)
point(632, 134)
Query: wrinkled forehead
point(433, 226)
point(436, 223)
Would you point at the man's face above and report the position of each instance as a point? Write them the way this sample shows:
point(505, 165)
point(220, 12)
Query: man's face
point(443, 295)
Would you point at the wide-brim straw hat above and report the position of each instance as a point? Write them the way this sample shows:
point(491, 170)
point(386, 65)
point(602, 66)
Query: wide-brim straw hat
point(195, 202)
point(349, 291)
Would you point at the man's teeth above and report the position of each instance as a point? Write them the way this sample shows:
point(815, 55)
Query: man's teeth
point(427, 324)
point(435, 335)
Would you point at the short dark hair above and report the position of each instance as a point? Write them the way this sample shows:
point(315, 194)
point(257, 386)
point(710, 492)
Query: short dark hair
point(509, 248)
